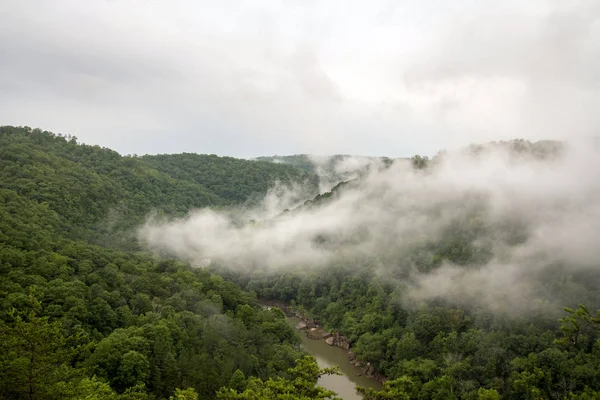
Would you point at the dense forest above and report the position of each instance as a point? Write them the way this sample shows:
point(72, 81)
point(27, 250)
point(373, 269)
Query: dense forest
point(86, 312)
point(85, 315)
point(234, 180)
point(105, 196)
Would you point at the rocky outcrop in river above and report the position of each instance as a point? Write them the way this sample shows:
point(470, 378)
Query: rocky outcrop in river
point(338, 341)
point(313, 330)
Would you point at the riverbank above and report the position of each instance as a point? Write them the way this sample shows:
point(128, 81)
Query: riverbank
point(313, 330)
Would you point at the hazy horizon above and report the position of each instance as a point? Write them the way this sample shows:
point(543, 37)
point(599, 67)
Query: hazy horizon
point(246, 79)
point(316, 155)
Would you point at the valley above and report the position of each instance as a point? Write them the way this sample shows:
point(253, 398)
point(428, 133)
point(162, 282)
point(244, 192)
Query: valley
point(470, 275)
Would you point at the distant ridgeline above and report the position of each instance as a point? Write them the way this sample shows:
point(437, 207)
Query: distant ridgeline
point(518, 148)
point(98, 192)
point(338, 168)
point(331, 169)
point(232, 179)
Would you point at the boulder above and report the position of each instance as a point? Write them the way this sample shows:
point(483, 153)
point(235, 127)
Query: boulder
point(370, 371)
point(288, 312)
point(301, 325)
point(314, 334)
point(343, 342)
point(329, 341)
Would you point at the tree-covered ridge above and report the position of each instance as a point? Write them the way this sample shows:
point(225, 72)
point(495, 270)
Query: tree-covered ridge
point(95, 190)
point(313, 163)
point(301, 161)
point(516, 149)
point(233, 180)
point(333, 169)
point(541, 149)
point(323, 197)
point(98, 192)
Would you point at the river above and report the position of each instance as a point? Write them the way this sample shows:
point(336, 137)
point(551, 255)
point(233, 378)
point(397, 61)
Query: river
point(329, 356)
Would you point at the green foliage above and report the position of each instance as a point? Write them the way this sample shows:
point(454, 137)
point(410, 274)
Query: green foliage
point(35, 355)
point(231, 179)
point(92, 323)
point(441, 351)
point(238, 381)
point(579, 323)
point(301, 161)
point(97, 194)
point(419, 162)
point(488, 394)
point(300, 385)
point(401, 388)
point(87, 389)
point(187, 394)
point(105, 321)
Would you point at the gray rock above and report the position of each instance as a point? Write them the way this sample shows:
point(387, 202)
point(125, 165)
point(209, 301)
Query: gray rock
point(301, 325)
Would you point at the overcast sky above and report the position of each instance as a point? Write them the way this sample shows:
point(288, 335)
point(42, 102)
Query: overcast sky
point(249, 78)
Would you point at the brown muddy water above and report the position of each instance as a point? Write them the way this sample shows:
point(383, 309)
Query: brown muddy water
point(329, 356)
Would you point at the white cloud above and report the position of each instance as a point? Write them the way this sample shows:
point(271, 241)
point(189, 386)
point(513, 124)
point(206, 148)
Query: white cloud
point(392, 216)
point(249, 78)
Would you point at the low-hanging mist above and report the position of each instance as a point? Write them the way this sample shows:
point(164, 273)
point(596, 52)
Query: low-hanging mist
point(516, 218)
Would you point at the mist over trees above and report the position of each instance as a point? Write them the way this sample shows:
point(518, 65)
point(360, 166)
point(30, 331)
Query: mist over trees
point(447, 275)
point(331, 170)
point(449, 272)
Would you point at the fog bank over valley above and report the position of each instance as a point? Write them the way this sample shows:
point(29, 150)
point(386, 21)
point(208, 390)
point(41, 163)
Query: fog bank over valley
point(517, 210)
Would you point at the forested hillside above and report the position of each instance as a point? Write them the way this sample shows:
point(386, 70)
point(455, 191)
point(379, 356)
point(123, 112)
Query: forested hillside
point(101, 194)
point(301, 161)
point(448, 276)
point(83, 321)
point(232, 179)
